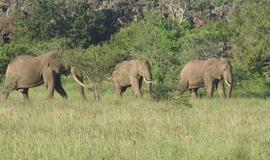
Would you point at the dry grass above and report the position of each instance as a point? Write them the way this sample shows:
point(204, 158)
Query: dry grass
point(133, 128)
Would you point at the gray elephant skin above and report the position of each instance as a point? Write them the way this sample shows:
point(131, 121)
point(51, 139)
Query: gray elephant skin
point(25, 72)
point(208, 73)
point(131, 74)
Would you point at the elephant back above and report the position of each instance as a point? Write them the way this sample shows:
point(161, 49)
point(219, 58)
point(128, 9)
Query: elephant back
point(120, 68)
point(194, 65)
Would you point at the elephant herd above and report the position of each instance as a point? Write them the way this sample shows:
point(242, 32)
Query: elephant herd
point(25, 72)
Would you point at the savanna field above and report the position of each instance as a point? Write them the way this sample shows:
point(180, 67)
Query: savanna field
point(94, 37)
point(236, 128)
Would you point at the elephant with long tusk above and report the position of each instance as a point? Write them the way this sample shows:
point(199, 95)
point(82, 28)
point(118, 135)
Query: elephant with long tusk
point(206, 73)
point(25, 72)
point(131, 74)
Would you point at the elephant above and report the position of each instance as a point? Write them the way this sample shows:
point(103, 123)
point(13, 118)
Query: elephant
point(25, 72)
point(208, 73)
point(131, 73)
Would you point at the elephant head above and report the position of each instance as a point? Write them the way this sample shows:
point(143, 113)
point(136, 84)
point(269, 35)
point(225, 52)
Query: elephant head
point(51, 60)
point(144, 71)
point(221, 69)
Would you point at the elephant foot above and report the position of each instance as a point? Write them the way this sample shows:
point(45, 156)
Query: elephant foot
point(193, 93)
point(137, 96)
point(49, 98)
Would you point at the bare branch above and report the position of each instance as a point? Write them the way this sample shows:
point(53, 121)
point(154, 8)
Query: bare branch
point(175, 9)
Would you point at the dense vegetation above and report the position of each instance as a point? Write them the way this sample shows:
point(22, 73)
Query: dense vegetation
point(240, 34)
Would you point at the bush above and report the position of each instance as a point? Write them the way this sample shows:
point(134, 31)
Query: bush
point(250, 39)
point(168, 46)
point(95, 63)
point(255, 86)
point(9, 51)
point(75, 22)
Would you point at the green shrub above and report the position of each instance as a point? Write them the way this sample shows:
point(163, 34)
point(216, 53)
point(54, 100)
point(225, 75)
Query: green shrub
point(255, 86)
point(250, 39)
point(95, 63)
point(75, 22)
point(9, 51)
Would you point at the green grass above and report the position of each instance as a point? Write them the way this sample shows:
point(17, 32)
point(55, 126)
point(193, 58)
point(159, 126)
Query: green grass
point(218, 129)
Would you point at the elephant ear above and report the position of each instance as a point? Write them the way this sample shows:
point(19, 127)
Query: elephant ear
point(212, 67)
point(147, 63)
point(56, 66)
point(52, 60)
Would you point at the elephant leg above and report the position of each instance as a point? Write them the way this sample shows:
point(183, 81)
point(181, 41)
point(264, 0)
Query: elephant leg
point(140, 83)
point(220, 88)
point(209, 88)
point(51, 87)
point(59, 88)
point(123, 89)
point(136, 87)
point(193, 92)
point(9, 87)
point(119, 90)
point(25, 93)
point(6, 91)
point(49, 80)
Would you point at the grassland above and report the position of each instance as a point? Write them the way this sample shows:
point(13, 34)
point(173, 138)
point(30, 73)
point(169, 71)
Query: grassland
point(212, 129)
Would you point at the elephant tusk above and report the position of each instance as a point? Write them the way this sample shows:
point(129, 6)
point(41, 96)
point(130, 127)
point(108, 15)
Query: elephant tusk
point(79, 82)
point(148, 82)
point(228, 82)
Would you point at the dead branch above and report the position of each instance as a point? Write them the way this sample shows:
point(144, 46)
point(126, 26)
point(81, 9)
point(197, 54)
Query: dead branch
point(175, 9)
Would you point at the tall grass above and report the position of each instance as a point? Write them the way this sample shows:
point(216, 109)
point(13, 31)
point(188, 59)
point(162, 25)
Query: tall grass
point(132, 128)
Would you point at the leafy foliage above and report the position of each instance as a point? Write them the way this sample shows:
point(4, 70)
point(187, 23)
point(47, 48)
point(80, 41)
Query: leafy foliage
point(76, 22)
point(250, 25)
point(95, 63)
point(9, 51)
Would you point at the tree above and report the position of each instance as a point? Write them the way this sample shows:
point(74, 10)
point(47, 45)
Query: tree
point(250, 39)
point(95, 63)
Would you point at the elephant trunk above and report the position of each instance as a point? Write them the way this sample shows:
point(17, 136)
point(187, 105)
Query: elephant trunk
point(147, 77)
point(229, 92)
point(150, 89)
point(229, 82)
